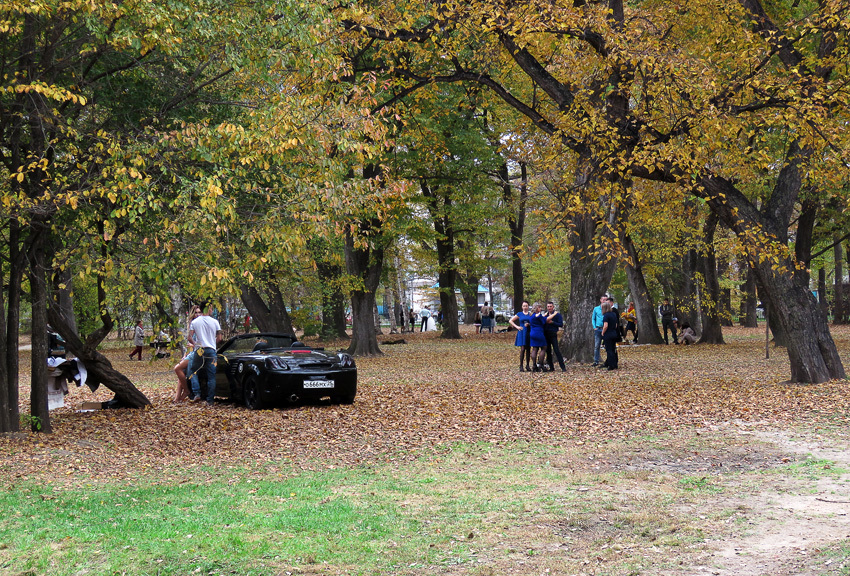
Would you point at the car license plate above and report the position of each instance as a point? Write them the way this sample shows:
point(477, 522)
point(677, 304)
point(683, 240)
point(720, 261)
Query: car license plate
point(318, 383)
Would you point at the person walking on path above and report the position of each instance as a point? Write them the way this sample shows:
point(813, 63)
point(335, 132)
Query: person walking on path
point(610, 335)
point(138, 340)
point(205, 331)
point(521, 321)
point(668, 321)
point(596, 322)
point(554, 322)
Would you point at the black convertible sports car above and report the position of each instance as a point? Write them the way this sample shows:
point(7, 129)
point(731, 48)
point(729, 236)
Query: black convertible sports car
point(260, 370)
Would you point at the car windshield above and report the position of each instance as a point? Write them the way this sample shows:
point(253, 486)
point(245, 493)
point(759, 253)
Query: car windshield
point(262, 342)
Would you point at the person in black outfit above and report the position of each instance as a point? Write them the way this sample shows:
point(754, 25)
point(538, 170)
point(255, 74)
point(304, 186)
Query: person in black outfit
point(666, 311)
point(554, 322)
point(610, 336)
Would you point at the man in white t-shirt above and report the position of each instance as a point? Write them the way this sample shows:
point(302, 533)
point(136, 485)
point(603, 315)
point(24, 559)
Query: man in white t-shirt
point(205, 332)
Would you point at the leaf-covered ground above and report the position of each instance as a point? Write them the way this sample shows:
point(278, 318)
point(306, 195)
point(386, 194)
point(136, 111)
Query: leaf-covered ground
point(423, 396)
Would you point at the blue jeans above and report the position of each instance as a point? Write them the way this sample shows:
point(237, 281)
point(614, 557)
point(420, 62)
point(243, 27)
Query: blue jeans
point(597, 342)
point(207, 360)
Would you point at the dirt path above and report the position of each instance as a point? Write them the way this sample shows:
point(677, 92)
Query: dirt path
point(793, 522)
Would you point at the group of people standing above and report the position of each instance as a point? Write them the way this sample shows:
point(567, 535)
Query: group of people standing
point(537, 337)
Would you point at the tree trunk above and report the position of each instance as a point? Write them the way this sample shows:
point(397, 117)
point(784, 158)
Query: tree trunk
point(377, 319)
point(390, 309)
point(838, 311)
point(749, 300)
point(811, 349)
point(590, 275)
point(98, 366)
point(516, 225)
point(401, 299)
point(364, 263)
point(712, 331)
point(63, 283)
point(822, 303)
point(39, 411)
point(268, 318)
point(686, 296)
point(17, 266)
point(647, 323)
point(469, 292)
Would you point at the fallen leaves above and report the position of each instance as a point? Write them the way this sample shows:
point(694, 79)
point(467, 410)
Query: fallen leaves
point(422, 398)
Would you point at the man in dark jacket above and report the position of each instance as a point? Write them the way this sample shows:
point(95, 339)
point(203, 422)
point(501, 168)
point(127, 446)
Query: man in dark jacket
point(667, 322)
point(554, 322)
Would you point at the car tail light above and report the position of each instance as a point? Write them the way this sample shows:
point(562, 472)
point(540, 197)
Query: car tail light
point(276, 363)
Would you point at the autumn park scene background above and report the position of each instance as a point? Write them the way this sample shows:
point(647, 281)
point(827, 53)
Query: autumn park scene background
point(307, 163)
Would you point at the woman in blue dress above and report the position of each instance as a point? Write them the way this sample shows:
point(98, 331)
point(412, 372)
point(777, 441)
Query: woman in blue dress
point(537, 338)
point(521, 323)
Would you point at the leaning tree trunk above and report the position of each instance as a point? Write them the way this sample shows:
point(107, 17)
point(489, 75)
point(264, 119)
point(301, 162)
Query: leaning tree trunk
point(647, 323)
point(712, 331)
point(271, 317)
point(98, 366)
point(811, 350)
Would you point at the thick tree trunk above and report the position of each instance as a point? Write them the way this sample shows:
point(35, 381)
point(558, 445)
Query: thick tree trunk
point(448, 303)
point(647, 324)
point(811, 349)
point(271, 317)
point(589, 278)
point(365, 265)
point(5, 412)
point(712, 331)
point(469, 293)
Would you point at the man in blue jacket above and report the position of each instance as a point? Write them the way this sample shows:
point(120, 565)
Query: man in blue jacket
point(554, 322)
point(596, 321)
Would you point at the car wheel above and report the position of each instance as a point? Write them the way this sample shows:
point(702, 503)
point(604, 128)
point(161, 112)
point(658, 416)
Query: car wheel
point(251, 393)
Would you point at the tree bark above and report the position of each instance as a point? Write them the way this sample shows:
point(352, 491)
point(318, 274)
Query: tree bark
point(822, 303)
point(590, 275)
point(686, 289)
point(516, 224)
point(98, 366)
point(364, 263)
point(647, 323)
point(712, 331)
point(440, 207)
point(39, 412)
point(271, 317)
point(749, 300)
point(838, 311)
point(17, 266)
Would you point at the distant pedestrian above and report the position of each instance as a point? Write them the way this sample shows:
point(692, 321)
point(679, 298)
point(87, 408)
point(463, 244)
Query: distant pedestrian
point(668, 322)
point(138, 340)
point(424, 314)
point(487, 318)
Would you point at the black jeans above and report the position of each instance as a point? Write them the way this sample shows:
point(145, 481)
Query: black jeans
point(612, 359)
point(668, 323)
point(552, 344)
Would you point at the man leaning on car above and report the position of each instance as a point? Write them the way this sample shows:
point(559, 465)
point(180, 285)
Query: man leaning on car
point(205, 332)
